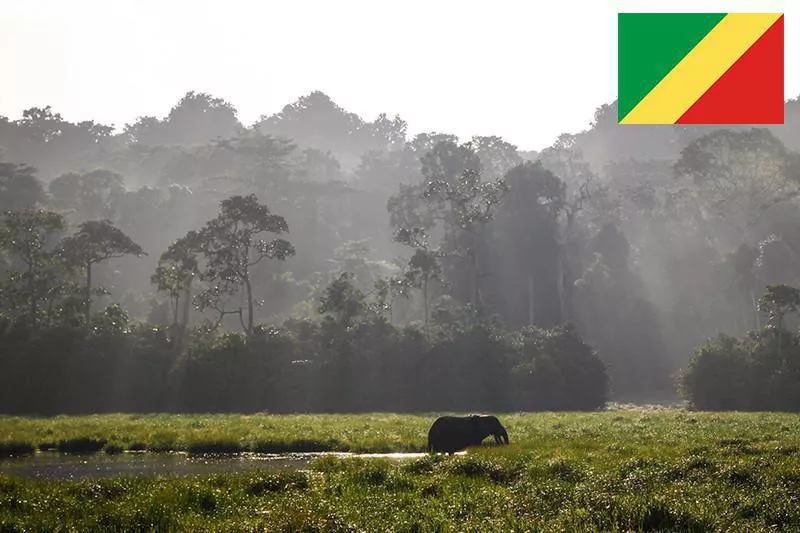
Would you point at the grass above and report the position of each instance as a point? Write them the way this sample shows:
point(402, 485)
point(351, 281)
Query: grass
point(219, 433)
point(612, 471)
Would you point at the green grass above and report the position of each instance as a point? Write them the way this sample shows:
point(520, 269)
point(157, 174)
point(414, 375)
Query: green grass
point(220, 433)
point(609, 471)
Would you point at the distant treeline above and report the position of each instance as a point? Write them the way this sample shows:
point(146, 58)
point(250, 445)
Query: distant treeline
point(364, 268)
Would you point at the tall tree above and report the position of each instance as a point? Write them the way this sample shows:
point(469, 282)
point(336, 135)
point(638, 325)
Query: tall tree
point(94, 242)
point(28, 237)
point(777, 302)
point(454, 201)
point(463, 203)
point(232, 247)
point(525, 245)
point(423, 267)
point(177, 267)
point(197, 118)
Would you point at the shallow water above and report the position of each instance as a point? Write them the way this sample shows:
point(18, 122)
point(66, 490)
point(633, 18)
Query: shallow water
point(58, 466)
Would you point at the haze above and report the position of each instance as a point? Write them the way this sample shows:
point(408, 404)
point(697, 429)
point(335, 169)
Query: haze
point(382, 207)
point(527, 71)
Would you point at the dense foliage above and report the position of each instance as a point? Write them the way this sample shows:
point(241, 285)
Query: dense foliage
point(386, 261)
point(302, 366)
point(759, 372)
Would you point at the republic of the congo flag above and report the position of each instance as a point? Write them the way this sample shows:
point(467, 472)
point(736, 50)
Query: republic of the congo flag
point(700, 68)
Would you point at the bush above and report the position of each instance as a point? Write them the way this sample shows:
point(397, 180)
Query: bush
point(718, 376)
point(16, 448)
point(558, 371)
point(760, 372)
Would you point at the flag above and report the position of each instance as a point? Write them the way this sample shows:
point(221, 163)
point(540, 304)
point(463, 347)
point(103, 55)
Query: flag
point(700, 68)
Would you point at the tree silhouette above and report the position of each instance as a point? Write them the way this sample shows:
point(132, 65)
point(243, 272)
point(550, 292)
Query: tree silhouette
point(94, 242)
point(231, 246)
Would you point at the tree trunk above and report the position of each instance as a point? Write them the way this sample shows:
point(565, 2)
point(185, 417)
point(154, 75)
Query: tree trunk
point(88, 296)
point(32, 294)
point(560, 283)
point(175, 303)
point(187, 307)
point(564, 272)
point(425, 307)
point(249, 305)
point(187, 298)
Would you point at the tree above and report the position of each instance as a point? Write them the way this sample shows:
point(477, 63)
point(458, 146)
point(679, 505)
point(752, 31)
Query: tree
point(777, 302)
point(177, 267)
point(231, 246)
point(19, 188)
point(741, 266)
point(497, 155)
point(317, 166)
point(737, 177)
point(196, 119)
point(423, 267)
point(343, 300)
point(525, 246)
point(316, 121)
point(43, 139)
point(383, 134)
point(28, 237)
point(617, 318)
point(565, 160)
point(94, 242)
point(462, 202)
point(454, 200)
point(91, 195)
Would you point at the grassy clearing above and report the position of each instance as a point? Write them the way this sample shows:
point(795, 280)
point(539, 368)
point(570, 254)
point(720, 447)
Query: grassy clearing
point(487, 490)
point(610, 471)
point(620, 433)
point(219, 433)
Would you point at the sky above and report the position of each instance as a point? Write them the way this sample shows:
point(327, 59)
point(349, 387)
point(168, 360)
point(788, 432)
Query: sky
point(526, 70)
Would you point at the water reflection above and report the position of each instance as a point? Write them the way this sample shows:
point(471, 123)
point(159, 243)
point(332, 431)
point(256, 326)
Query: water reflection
point(58, 466)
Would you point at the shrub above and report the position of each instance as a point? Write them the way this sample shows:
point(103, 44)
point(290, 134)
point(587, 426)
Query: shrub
point(760, 372)
point(81, 445)
point(718, 375)
point(558, 371)
point(16, 448)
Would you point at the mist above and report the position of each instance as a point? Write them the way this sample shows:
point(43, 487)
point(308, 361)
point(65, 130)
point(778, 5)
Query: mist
point(317, 254)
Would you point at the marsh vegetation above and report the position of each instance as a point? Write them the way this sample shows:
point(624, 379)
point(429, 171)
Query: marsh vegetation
point(620, 470)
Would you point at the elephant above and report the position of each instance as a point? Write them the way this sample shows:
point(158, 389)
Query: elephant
point(450, 434)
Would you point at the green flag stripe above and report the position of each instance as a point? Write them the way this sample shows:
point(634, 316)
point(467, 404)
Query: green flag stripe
point(650, 45)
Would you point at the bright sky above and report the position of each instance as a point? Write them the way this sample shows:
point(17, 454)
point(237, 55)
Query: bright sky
point(527, 70)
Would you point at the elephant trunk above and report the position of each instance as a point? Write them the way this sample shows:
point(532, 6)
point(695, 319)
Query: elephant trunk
point(504, 435)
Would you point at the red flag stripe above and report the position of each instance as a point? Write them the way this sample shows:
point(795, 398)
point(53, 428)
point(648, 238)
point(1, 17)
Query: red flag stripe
point(751, 91)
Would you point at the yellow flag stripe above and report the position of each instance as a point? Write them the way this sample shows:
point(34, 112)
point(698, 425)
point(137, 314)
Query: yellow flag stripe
point(701, 68)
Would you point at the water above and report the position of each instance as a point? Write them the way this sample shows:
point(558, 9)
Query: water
point(58, 466)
